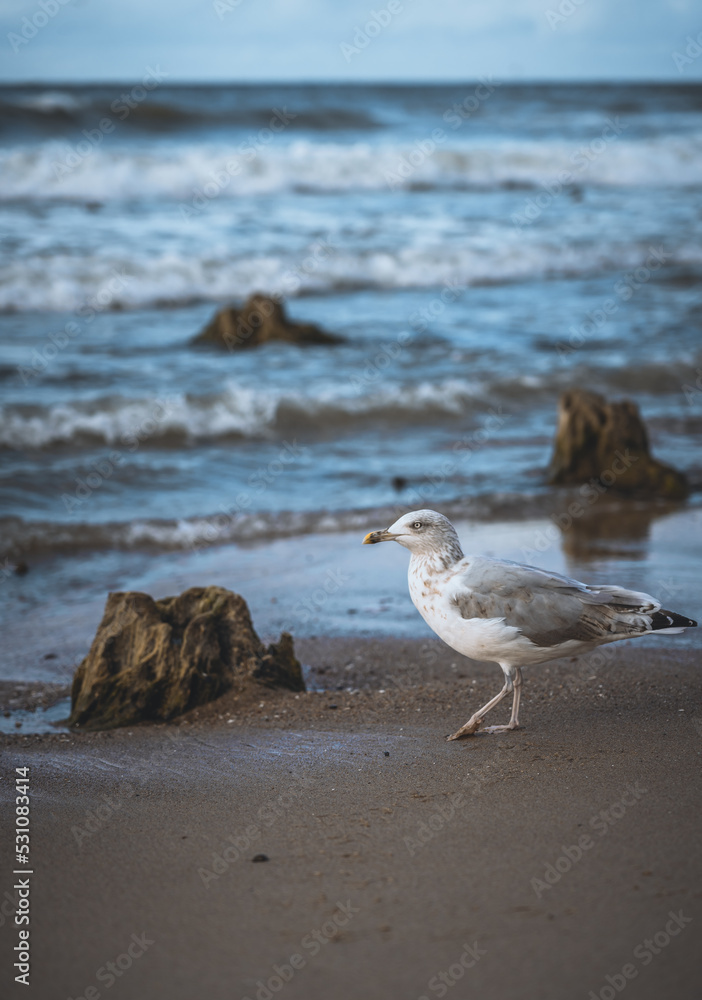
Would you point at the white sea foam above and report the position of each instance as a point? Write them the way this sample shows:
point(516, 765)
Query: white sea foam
point(53, 170)
point(218, 528)
point(48, 102)
point(239, 411)
point(66, 282)
point(231, 525)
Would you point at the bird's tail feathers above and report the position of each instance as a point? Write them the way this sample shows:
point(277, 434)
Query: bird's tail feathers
point(670, 622)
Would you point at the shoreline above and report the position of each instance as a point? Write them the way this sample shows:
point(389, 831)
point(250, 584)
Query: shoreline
point(328, 584)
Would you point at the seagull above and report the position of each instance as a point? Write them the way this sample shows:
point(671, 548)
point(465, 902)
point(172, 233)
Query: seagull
point(513, 614)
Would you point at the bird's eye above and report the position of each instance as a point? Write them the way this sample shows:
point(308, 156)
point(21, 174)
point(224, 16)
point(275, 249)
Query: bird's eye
point(417, 524)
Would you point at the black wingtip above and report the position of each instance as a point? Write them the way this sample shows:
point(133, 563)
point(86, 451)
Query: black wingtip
point(670, 619)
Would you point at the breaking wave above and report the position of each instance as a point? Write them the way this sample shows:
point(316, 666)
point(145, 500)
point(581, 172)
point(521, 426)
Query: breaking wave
point(238, 412)
point(87, 171)
point(65, 282)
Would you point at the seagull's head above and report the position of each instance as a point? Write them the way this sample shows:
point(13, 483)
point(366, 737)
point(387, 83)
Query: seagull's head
point(423, 532)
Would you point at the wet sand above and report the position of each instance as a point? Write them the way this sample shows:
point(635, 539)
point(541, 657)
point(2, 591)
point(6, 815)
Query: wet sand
point(329, 583)
point(532, 864)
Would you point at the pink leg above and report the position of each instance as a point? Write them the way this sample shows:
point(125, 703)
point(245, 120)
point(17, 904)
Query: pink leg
point(513, 682)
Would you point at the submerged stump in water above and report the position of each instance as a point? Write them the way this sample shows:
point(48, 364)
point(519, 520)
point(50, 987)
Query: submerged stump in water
point(260, 319)
point(608, 442)
point(157, 659)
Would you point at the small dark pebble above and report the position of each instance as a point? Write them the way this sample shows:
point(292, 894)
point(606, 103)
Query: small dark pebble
point(332, 706)
point(21, 568)
point(259, 857)
point(398, 482)
point(387, 753)
point(50, 656)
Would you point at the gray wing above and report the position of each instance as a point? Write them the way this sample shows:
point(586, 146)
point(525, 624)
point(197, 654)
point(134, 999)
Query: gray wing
point(548, 608)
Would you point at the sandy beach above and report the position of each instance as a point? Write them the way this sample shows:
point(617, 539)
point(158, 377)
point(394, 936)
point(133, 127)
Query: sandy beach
point(533, 864)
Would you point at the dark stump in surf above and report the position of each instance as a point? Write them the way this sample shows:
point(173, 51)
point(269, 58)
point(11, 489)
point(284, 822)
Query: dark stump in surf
point(608, 442)
point(157, 659)
point(260, 320)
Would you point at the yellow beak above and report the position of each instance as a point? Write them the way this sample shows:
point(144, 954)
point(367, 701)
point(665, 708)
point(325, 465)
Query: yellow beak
point(378, 536)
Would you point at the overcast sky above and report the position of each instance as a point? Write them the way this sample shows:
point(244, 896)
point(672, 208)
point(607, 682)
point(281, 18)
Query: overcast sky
point(320, 40)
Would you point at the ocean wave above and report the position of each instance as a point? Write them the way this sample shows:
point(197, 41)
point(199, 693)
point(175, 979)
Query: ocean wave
point(238, 412)
point(51, 111)
point(21, 538)
point(225, 526)
point(63, 282)
point(104, 171)
point(222, 527)
point(59, 104)
point(245, 412)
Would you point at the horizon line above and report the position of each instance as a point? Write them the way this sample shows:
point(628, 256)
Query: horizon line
point(344, 81)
